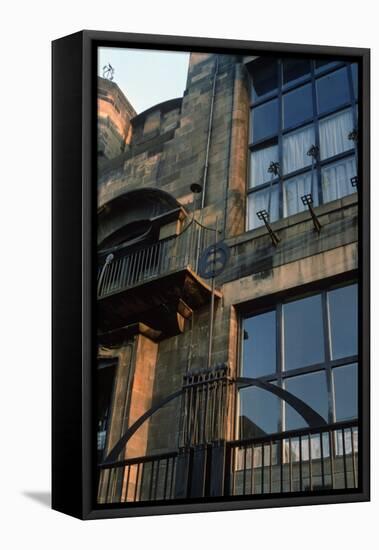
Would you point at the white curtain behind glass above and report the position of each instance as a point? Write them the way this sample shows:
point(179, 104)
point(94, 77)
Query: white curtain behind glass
point(261, 201)
point(295, 188)
point(336, 179)
point(259, 163)
point(334, 131)
point(295, 148)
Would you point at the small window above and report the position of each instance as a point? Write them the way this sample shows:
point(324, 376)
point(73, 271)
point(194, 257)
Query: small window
point(295, 70)
point(354, 74)
point(295, 148)
point(345, 392)
point(264, 121)
point(332, 91)
point(297, 187)
point(260, 161)
point(322, 64)
point(297, 106)
point(303, 333)
point(264, 81)
point(343, 312)
point(334, 134)
point(259, 413)
point(310, 388)
point(336, 179)
point(265, 199)
point(259, 345)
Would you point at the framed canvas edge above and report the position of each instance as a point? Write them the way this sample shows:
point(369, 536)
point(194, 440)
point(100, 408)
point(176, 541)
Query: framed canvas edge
point(90, 40)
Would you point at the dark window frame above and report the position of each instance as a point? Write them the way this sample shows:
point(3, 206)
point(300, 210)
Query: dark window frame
point(281, 375)
point(277, 139)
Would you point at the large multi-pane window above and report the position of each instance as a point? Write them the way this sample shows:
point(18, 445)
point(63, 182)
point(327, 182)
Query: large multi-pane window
point(303, 132)
point(307, 346)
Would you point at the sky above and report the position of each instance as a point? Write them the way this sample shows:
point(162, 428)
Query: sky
point(146, 77)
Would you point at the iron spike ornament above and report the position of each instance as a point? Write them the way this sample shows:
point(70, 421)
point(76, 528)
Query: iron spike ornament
point(108, 72)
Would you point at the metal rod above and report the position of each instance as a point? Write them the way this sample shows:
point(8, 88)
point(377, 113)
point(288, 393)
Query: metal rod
point(211, 323)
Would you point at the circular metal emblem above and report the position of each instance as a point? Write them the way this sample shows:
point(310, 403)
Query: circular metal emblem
point(213, 260)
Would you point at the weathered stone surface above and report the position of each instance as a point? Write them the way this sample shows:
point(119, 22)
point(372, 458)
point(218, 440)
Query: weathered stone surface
point(168, 151)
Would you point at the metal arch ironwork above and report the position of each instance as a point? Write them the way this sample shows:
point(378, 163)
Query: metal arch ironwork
point(113, 454)
point(313, 419)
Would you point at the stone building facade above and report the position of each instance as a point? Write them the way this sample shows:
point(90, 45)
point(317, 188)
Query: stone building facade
point(156, 298)
point(114, 115)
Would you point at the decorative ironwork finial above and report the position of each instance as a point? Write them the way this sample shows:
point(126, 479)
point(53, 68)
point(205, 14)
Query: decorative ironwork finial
point(274, 168)
point(264, 217)
point(307, 200)
point(108, 72)
point(353, 135)
point(313, 151)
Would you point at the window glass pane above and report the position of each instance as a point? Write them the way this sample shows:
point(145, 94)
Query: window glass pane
point(343, 313)
point(295, 147)
point(334, 134)
point(295, 188)
point(260, 200)
point(345, 391)
point(310, 388)
point(297, 106)
point(354, 74)
point(321, 64)
point(303, 332)
point(259, 345)
point(264, 120)
point(264, 72)
point(259, 412)
point(336, 179)
point(332, 91)
point(260, 161)
point(295, 70)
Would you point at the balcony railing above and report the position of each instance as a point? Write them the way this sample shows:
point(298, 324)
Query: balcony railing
point(294, 461)
point(150, 262)
point(290, 462)
point(138, 479)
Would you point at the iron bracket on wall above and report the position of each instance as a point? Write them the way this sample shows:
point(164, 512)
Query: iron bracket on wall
point(263, 215)
point(307, 200)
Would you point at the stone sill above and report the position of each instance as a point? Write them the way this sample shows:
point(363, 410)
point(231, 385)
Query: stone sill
point(295, 219)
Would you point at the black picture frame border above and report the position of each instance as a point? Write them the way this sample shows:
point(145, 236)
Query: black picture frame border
point(74, 119)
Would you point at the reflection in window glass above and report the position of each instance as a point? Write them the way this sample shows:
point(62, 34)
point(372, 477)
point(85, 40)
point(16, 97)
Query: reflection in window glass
point(310, 388)
point(295, 70)
point(266, 199)
point(332, 91)
point(264, 72)
point(354, 74)
point(345, 391)
point(343, 314)
point(324, 64)
point(295, 188)
point(260, 161)
point(259, 345)
point(295, 148)
point(297, 106)
point(264, 121)
point(336, 179)
point(259, 412)
point(303, 332)
point(334, 134)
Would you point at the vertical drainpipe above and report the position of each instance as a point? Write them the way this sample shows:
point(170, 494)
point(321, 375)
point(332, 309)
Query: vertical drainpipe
point(229, 153)
point(210, 123)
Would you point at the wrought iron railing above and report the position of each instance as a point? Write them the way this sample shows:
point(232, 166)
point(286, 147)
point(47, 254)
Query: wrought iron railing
point(138, 479)
point(132, 268)
point(290, 462)
point(302, 460)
